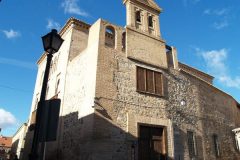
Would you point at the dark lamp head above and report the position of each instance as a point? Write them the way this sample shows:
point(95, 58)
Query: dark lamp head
point(52, 42)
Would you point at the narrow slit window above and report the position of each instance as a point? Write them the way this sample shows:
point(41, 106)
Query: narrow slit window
point(216, 145)
point(124, 41)
point(36, 104)
point(47, 90)
point(191, 144)
point(57, 87)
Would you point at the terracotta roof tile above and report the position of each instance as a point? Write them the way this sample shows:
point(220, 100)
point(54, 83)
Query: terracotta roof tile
point(6, 141)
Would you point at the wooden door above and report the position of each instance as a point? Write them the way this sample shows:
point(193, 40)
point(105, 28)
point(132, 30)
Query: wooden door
point(151, 143)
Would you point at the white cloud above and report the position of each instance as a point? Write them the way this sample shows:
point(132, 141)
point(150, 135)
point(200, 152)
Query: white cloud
point(216, 12)
point(230, 82)
point(207, 11)
point(52, 24)
point(17, 63)
point(221, 24)
point(216, 65)
point(215, 60)
point(6, 119)
point(221, 14)
point(11, 33)
point(71, 7)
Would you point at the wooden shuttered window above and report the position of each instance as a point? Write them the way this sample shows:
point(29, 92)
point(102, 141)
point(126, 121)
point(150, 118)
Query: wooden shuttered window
point(141, 79)
point(149, 81)
point(158, 83)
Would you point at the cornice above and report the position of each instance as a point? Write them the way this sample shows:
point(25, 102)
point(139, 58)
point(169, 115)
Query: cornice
point(24, 125)
point(145, 34)
point(196, 70)
point(150, 4)
point(72, 22)
point(212, 86)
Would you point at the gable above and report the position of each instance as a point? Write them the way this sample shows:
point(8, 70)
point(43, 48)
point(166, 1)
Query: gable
point(149, 3)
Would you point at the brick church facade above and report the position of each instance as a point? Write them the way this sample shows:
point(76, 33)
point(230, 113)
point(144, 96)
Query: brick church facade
point(125, 96)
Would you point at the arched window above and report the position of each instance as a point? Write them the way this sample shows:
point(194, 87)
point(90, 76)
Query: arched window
point(123, 41)
point(138, 16)
point(110, 36)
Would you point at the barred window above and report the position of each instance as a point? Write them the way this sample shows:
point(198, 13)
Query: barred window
point(191, 144)
point(149, 81)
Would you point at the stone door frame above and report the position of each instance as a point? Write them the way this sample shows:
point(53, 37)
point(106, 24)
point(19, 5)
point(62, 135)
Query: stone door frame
point(133, 122)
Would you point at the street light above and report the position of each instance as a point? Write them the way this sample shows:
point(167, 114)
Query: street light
point(51, 44)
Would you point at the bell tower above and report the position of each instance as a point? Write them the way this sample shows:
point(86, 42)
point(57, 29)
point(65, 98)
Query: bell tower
point(143, 15)
point(144, 42)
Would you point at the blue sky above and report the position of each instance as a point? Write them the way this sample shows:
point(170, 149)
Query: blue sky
point(206, 34)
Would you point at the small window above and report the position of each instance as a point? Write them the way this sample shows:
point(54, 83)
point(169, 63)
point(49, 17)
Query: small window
point(138, 16)
point(149, 81)
point(57, 87)
point(216, 145)
point(237, 138)
point(47, 90)
point(238, 143)
point(124, 41)
point(150, 21)
point(36, 104)
point(191, 144)
point(33, 117)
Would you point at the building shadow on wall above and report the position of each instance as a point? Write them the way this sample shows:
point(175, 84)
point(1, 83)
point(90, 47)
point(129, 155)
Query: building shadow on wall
point(181, 150)
point(93, 137)
point(14, 149)
point(28, 143)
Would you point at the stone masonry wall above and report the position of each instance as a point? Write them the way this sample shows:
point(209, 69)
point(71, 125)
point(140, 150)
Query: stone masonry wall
point(75, 139)
point(218, 117)
point(118, 99)
point(101, 109)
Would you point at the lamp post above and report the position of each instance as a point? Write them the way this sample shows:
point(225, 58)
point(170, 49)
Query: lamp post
point(51, 43)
